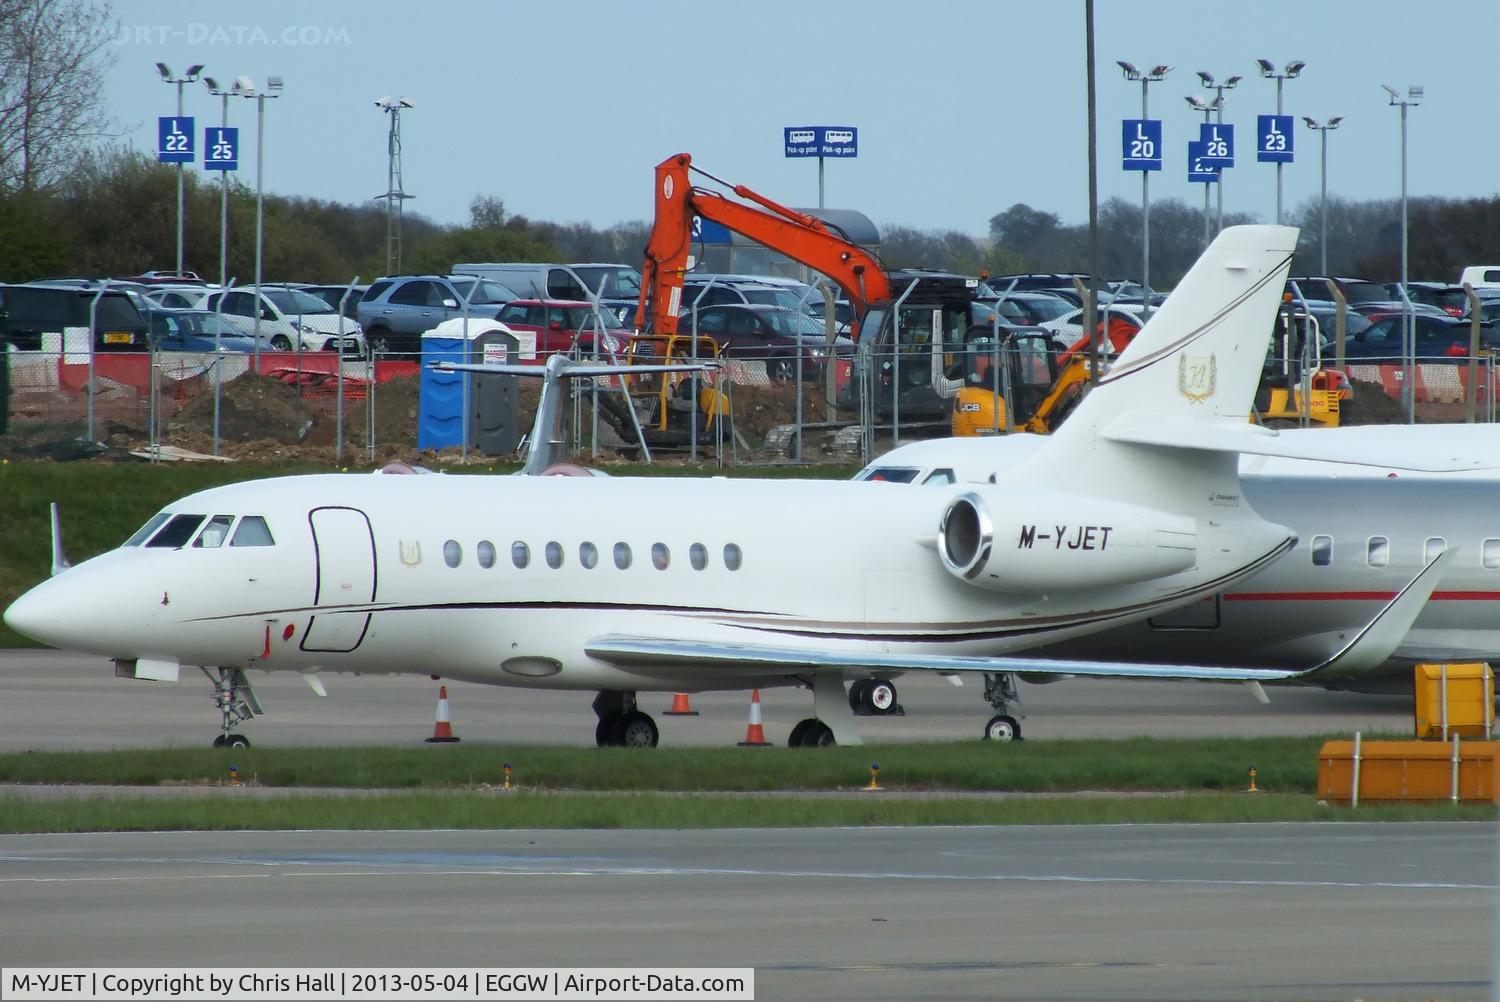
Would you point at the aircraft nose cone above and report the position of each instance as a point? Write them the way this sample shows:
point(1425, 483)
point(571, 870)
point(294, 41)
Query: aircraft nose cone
point(41, 613)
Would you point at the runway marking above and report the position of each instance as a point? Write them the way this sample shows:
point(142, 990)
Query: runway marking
point(1052, 878)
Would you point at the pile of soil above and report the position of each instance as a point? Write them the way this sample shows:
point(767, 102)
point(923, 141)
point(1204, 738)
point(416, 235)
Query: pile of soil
point(1371, 405)
point(251, 408)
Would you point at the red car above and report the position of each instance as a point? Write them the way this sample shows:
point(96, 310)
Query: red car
point(562, 325)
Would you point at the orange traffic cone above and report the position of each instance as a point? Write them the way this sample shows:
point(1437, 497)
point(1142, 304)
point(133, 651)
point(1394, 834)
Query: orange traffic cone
point(442, 731)
point(755, 734)
point(681, 707)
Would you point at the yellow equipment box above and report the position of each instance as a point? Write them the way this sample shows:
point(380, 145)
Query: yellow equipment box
point(1460, 696)
point(1409, 770)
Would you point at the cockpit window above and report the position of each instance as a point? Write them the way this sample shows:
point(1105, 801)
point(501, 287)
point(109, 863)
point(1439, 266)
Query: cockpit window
point(214, 533)
point(146, 530)
point(252, 531)
point(943, 476)
point(177, 532)
point(893, 474)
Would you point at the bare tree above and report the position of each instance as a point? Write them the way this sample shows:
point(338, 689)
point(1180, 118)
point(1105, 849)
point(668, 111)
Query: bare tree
point(53, 57)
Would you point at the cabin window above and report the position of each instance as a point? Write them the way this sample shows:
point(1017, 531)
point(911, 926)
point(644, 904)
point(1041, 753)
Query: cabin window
point(1378, 551)
point(622, 555)
point(1489, 554)
point(453, 554)
point(588, 555)
point(1322, 551)
point(146, 530)
point(520, 554)
point(732, 556)
point(214, 533)
point(698, 556)
point(554, 555)
point(177, 532)
point(485, 554)
point(252, 531)
point(1433, 548)
point(660, 556)
point(940, 478)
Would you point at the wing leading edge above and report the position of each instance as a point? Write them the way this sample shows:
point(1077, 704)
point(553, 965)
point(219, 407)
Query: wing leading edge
point(1371, 647)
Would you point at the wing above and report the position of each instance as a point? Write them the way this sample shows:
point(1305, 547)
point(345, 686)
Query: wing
point(1400, 454)
point(1370, 648)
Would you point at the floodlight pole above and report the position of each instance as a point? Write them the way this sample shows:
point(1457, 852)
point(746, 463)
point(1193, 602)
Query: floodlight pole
point(186, 78)
point(1287, 72)
point(1146, 78)
point(1323, 128)
point(1413, 96)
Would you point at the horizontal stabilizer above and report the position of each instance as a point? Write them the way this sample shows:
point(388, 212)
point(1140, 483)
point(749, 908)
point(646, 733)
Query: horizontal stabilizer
point(1323, 446)
point(571, 370)
point(1369, 649)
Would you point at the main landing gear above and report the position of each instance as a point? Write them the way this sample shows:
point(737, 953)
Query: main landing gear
point(874, 697)
point(621, 725)
point(235, 702)
point(1000, 689)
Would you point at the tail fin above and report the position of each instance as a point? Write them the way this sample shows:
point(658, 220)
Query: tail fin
point(1196, 363)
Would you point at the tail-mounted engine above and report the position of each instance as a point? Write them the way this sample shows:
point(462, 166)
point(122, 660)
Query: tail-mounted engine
point(1016, 542)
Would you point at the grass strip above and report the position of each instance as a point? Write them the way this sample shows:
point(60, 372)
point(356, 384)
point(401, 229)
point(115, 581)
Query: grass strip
point(1283, 765)
point(518, 810)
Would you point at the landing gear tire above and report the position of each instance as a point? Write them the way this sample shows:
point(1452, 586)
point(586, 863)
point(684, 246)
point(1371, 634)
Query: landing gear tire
point(231, 741)
point(880, 696)
point(634, 730)
point(811, 733)
point(857, 699)
point(605, 726)
point(1002, 728)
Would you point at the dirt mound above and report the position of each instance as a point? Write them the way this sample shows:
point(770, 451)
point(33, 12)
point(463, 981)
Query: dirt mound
point(1371, 405)
point(251, 408)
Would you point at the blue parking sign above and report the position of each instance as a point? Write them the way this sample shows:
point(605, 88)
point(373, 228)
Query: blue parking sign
point(1273, 139)
point(1198, 171)
point(221, 148)
point(1141, 143)
point(1218, 144)
point(174, 139)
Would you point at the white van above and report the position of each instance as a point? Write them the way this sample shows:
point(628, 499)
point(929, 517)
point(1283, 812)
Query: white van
point(531, 281)
point(1481, 276)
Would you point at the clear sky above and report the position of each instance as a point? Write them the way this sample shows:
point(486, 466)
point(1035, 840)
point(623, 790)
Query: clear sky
point(964, 107)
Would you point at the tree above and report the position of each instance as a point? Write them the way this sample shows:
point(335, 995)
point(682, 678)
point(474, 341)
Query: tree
point(53, 58)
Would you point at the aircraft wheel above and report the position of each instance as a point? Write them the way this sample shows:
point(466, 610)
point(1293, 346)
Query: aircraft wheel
point(1002, 728)
point(605, 725)
point(819, 735)
point(219, 741)
point(857, 699)
point(880, 696)
point(634, 730)
point(795, 739)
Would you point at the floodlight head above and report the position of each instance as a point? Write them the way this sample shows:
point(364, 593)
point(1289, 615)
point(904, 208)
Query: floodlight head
point(1393, 92)
point(1228, 84)
point(164, 70)
point(193, 71)
point(1294, 67)
point(1160, 71)
point(244, 86)
point(382, 102)
point(1206, 77)
point(1414, 93)
point(1195, 102)
point(1267, 68)
point(1131, 73)
point(274, 83)
point(211, 84)
point(1333, 123)
point(407, 102)
point(1312, 123)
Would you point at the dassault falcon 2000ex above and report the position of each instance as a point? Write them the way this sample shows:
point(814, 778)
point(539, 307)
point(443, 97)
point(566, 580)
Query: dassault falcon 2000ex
point(625, 585)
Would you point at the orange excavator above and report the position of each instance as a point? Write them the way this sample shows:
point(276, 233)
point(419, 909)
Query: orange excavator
point(913, 348)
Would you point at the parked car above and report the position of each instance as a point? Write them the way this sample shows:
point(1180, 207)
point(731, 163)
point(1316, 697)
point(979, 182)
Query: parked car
point(534, 281)
point(288, 317)
point(198, 330)
point(716, 290)
point(561, 325)
point(1439, 339)
point(167, 277)
point(177, 297)
point(1028, 309)
point(1356, 291)
point(334, 294)
point(773, 334)
point(30, 313)
point(1451, 299)
point(395, 312)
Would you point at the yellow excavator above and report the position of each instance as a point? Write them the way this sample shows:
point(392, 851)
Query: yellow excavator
point(1295, 390)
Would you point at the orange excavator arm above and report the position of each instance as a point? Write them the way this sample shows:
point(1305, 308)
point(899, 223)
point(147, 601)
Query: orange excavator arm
point(799, 236)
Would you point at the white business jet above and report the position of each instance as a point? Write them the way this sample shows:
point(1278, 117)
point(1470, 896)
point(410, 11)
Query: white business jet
point(625, 585)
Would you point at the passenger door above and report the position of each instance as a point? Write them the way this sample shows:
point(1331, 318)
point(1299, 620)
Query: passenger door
point(344, 583)
point(410, 308)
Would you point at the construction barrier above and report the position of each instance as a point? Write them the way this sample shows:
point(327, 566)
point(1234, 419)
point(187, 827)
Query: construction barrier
point(1355, 772)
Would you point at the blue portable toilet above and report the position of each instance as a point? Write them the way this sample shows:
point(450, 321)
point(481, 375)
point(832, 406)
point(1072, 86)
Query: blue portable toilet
point(440, 399)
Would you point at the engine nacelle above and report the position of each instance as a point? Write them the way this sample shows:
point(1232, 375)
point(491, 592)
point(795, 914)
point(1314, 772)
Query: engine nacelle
point(1021, 542)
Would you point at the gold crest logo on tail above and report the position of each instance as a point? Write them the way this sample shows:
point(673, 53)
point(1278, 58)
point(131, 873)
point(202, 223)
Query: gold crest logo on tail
point(1197, 377)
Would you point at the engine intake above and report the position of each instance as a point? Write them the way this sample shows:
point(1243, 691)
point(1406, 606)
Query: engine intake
point(1020, 542)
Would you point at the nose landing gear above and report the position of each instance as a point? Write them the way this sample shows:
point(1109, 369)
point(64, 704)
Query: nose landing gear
point(235, 702)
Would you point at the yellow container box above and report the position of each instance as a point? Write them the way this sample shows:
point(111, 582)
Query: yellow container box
point(1470, 691)
point(1410, 770)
